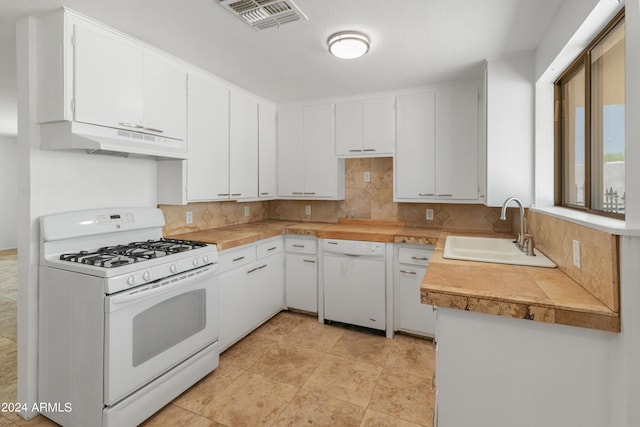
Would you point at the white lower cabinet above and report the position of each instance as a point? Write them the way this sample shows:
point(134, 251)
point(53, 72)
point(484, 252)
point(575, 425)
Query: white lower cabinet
point(301, 274)
point(411, 315)
point(251, 288)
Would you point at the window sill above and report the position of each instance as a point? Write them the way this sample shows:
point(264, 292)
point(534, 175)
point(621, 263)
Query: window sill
point(597, 222)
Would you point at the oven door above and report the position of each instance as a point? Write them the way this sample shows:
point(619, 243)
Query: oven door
point(154, 327)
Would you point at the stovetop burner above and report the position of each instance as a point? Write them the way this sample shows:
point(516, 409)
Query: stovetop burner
point(119, 255)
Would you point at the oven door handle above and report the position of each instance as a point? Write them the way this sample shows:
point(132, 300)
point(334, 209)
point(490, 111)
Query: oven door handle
point(117, 302)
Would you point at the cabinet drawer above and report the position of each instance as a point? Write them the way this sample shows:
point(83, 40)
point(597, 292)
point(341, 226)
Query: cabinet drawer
point(269, 248)
point(303, 246)
point(414, 256)
point(237, 257)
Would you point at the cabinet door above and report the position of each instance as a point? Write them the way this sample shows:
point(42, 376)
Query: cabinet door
point(208, 140)
point(349, 132)
point(457, 143)
point(415, 147)
point(301, 282)
point(268, 282)
point(412, 315)
point(267, 152)
point(107, 80)
point(243, 146)
point(165, 97)
point(320, 164)
point(290, 149)
point(379, 126)
point(235, 316)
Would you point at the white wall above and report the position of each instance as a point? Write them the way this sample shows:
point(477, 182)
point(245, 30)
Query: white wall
point(56, 181)
point(510, 129)
point(8, 192)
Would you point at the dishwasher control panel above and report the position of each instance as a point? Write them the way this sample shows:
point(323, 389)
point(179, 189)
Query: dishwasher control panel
point(353, 247)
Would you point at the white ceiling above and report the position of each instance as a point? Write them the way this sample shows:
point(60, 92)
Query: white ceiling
point(413, 42)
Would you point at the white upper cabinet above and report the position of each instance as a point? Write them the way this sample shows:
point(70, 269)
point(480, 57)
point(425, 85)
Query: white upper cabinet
point(122, 85)
point(510, 131)
point(267, 152)
point(307, 165)
point(365, 128)
point(415, 162)
point(243, 146)
point(437, 146)
point(457, 143)
point(208, 139)
point(318, 155)
point(108, 80)
point(164, 96)
point(290, 149)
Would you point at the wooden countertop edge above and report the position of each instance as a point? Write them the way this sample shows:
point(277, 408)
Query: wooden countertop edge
point(609, 322)
point(604, 319)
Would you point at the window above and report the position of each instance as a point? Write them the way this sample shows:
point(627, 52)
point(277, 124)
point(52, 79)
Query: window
point(590, 139)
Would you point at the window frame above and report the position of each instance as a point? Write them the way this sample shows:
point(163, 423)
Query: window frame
point(583, 61)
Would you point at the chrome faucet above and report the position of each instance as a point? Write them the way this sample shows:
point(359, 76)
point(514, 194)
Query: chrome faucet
point(524, 241)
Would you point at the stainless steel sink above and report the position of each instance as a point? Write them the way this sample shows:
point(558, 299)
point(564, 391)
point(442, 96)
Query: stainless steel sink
point(487, 249)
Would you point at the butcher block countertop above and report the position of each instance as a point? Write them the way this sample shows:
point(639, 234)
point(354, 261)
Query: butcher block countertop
point(534, 293)
point(368, 230)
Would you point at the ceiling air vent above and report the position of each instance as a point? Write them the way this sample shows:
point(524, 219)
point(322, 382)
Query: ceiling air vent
point(263, 14)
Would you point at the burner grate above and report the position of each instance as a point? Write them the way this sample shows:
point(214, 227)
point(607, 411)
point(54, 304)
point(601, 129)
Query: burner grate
point(118, 255)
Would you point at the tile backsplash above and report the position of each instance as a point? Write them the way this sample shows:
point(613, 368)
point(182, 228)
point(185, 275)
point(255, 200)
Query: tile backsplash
point(598, 271)
point(365, 200)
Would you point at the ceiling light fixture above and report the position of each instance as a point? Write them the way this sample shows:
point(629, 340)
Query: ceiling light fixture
point(348, 44)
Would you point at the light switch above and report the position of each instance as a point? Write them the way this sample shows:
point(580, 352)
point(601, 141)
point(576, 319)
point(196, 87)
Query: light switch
point(246, 211)
point(307, 210)
point(189, 218)
point(367, 176)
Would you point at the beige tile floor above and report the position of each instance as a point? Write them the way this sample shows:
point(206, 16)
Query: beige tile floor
point(292, 371)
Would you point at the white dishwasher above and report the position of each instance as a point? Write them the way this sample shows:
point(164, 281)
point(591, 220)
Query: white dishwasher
point(354, 282)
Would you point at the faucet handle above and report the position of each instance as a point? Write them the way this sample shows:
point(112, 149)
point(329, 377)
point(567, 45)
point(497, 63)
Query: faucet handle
point(528, 245)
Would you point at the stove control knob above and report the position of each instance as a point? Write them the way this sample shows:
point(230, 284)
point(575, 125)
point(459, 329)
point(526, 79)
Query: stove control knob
point(195, 262)
point(131, 280)
point(173, 268)
point(205, 259)
point(146, 275)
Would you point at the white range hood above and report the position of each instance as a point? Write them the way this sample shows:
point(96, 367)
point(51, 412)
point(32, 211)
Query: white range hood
point(69, 135)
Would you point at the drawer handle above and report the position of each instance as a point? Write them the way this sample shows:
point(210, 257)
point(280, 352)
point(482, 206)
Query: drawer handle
point(236, 194)
point(264, 194)
point(332, 243)
point(355, 151)
point(444, 195)
point(369, 149)
point(273, 248)
point(238, 259)
point(297, 192)
point(223, 194)
point(408, 272)
point(417, 258)
point(312, 193)
point(298, 246)
point(256, 269)
point(426, 194)
point(309, 260)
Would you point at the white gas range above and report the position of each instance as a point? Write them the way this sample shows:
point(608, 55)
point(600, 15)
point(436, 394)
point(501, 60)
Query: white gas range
point(128, 319)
